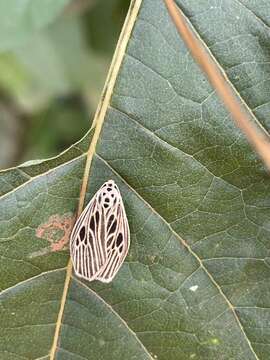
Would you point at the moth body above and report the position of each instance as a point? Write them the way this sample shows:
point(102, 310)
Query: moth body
point(99, 241)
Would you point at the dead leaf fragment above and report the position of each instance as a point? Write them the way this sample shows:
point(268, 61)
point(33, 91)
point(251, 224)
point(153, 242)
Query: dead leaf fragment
point(57, 230)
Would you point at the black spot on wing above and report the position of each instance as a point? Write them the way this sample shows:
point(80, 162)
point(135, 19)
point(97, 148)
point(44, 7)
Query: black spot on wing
point(113, 227)
point(82, 233)
point(97, 217)
point(119, 240)
point(92, 223)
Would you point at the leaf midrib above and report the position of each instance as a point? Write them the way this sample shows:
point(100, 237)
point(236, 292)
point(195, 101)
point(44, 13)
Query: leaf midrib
point(98, 121)
point(231, 307)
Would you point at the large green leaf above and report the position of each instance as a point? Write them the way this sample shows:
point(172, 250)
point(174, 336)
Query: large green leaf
point(196, 283)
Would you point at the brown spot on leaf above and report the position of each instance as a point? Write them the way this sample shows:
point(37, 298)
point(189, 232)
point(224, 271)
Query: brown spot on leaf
point(57, 230)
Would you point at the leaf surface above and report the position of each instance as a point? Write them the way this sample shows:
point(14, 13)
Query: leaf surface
point(195, 284)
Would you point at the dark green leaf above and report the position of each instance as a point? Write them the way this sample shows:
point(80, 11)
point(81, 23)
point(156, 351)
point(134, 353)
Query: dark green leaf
point(196, 283)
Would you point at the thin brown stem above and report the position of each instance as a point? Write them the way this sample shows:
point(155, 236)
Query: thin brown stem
point(256, 135)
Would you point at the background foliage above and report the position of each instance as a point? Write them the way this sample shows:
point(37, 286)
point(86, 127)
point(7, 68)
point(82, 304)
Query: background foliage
point(196, 281)
point(54, 57)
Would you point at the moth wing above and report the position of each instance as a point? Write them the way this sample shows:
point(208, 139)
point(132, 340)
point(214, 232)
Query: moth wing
point(87, 245)
point(117, 243)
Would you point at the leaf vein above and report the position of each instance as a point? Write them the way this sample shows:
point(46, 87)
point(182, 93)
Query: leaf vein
point(185, 244)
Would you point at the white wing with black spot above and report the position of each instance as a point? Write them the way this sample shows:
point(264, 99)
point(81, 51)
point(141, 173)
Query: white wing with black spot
point(100, 239)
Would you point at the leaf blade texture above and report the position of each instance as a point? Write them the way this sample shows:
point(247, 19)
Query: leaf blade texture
point(195, 284)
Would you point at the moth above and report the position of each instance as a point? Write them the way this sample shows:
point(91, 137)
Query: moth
point(100, 238)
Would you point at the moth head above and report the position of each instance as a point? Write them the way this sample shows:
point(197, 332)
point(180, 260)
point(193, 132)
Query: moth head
point(109, 194)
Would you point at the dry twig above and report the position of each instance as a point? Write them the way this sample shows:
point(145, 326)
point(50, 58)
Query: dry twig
point(256, 135)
